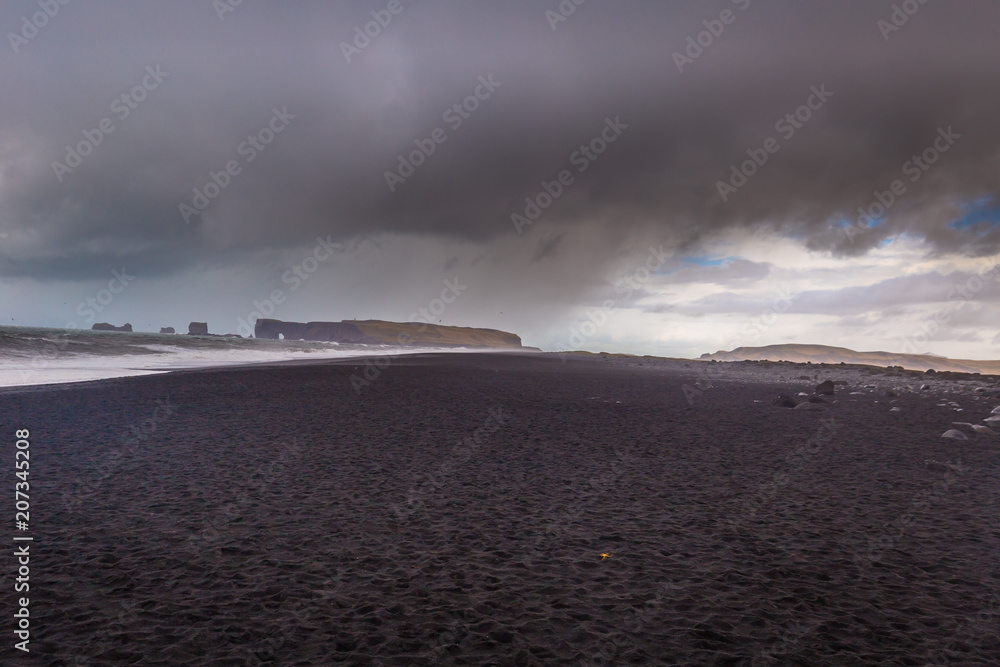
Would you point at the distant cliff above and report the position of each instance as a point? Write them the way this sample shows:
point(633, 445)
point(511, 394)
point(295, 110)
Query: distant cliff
point(378, 332)
point(825, 354)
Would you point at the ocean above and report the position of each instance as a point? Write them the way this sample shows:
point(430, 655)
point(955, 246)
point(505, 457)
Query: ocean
point(36, 355)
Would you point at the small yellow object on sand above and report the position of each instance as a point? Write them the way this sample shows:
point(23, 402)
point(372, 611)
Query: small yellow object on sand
point(605, 556)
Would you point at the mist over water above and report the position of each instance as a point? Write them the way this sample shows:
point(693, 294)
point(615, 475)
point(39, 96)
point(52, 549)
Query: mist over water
point(35, 355)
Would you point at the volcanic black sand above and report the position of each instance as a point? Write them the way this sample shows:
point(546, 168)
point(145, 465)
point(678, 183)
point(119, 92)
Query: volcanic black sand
point(455, 510)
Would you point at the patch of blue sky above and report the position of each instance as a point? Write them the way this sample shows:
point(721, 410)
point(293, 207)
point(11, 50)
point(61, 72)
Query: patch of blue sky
point(705, 260)
point(983, 211)
point(844, 222)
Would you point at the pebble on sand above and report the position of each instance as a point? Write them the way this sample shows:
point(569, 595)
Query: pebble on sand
point(954, 433)
point(992, 420)
point(983, 430)
point(784, 400)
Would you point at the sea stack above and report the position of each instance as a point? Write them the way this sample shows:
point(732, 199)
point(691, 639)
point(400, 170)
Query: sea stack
point(198, 329)
point(104, 326)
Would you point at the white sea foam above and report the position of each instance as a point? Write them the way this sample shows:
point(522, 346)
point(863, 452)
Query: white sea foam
point(49, 356)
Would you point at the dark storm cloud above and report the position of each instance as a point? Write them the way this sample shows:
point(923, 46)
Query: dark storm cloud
point(539, 95)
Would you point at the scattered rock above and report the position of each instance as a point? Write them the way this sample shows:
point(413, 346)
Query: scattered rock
point(825, 388)
point(784, 400)
point(895, 410)
point(930, 371)
point(892, 392)
point(992, 420)
point(954, 434)
point(809, 405)
point(924, 387)
point(996, 410)
point(983, 430)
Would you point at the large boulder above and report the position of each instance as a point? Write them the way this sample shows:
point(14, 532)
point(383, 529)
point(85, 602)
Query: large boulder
point(198, 329)
point(784, 400)
point(825, 388)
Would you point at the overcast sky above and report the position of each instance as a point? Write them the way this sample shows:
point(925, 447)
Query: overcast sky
point(697, 168)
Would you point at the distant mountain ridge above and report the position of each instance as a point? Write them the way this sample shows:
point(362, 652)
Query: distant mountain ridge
point(826, 354)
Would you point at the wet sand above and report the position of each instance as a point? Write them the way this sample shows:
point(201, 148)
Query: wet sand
point(454, 509)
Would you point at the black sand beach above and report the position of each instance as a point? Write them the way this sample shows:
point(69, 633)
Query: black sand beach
point(455, 511)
